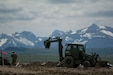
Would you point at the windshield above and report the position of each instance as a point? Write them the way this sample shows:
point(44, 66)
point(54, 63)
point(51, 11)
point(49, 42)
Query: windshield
point(81, 48)
point(71, 47)
point(76, 47)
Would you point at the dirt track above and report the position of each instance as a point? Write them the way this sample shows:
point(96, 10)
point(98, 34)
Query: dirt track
point(50, 69)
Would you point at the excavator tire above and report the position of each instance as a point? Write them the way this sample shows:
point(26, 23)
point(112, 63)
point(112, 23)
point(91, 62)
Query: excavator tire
point(86, 64)
point(69, 61)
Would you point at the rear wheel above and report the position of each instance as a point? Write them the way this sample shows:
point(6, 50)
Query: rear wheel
point(86, 64)
point(69, 61)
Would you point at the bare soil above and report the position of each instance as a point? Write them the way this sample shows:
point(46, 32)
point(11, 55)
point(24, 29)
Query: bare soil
point(50, 68)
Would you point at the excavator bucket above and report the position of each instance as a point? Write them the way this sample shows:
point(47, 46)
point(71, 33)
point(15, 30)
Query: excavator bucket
point(47, 44)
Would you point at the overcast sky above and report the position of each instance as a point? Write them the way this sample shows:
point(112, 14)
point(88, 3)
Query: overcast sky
point(44, 16)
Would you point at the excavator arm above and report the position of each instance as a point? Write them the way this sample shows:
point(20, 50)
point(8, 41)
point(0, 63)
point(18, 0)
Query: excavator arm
point(48, 42)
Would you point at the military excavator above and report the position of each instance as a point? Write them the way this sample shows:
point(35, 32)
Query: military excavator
point(74, 54)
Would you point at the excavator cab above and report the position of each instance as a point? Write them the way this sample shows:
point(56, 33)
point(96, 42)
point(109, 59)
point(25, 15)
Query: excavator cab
point(74, 50)
point(74, 55)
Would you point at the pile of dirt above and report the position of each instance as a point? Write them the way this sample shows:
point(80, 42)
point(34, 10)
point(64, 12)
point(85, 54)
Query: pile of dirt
point(45, 64)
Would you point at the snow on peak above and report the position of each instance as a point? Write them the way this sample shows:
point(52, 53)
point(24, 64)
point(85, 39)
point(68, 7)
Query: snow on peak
point(102, 27)
point(24, 41)
point(87, 35)
point(2, 41)
point(68, 38)
point(107, 32)
point(79, 41)
point(73, 33)
point(9, 34)
point(84, 30)
point(40, 39)
point(17, 34)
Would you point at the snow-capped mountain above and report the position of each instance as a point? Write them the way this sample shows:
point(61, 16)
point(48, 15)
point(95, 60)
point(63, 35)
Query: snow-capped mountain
point(24, 39)
point(94, 36)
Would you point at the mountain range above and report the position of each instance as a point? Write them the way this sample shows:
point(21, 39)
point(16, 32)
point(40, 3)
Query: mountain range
point(94, 36)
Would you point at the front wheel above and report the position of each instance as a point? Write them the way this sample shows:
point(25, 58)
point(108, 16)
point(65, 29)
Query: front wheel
point(69, 61)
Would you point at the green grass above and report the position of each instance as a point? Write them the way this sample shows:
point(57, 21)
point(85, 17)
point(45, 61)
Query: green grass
point(35, 58)
point(53, 58)
point(40, 58)
point(41, 54)
point(43, 58)
point(107, 58)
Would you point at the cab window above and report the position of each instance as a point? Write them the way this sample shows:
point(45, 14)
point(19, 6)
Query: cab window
point(81, 48)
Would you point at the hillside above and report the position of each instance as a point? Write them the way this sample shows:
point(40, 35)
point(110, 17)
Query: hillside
point(94, 36)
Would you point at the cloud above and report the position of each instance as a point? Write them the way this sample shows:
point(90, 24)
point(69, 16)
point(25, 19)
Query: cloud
point(6, 10)
point(61, 1)
point(74, 1)
point(44, 16)
point(10, 14)
point(108, 13)
point(15, 11)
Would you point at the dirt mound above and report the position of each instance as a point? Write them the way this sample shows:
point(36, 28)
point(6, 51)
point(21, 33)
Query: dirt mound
point(51, 64)
point(45, 64)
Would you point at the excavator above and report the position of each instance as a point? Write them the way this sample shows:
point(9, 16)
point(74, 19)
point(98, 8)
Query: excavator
point(74, 54)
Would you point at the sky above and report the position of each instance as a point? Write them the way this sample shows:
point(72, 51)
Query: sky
point(42, 17)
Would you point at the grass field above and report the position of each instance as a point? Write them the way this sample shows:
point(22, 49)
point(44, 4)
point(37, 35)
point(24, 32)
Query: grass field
point(43, 55)
point(40, 58)
point(53, 58)
point(108, 58)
